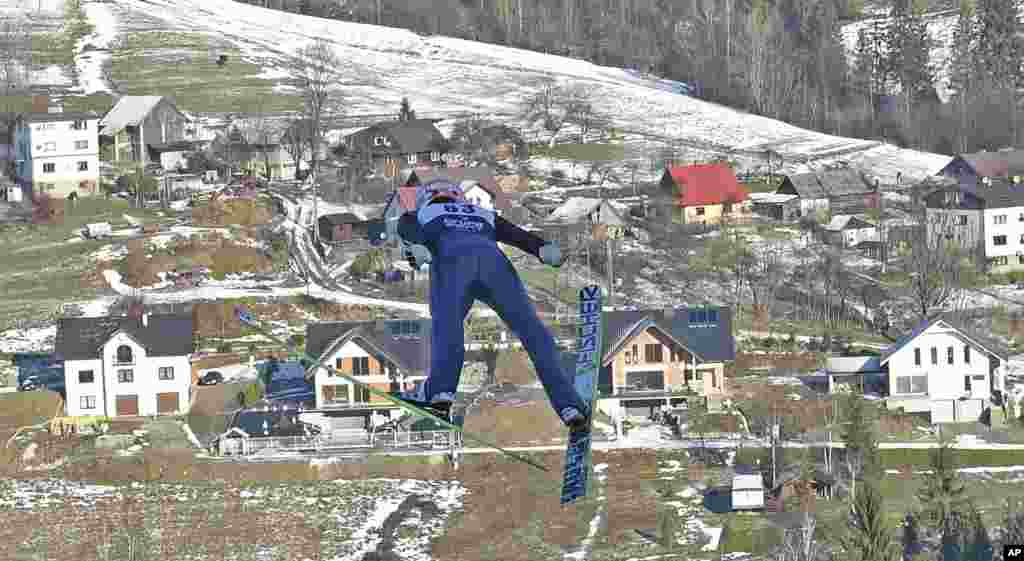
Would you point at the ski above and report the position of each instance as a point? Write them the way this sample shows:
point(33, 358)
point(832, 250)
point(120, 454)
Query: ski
point(589, 347)
point(256, 325)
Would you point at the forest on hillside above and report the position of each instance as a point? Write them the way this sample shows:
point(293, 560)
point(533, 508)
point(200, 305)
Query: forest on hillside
point(783, 59)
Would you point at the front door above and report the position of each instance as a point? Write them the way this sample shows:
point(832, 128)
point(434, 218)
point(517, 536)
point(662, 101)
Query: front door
point(127, 405)
point(167, 403)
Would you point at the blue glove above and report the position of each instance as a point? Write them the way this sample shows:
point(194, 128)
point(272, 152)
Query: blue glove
point(550, 254)
point(419, 256)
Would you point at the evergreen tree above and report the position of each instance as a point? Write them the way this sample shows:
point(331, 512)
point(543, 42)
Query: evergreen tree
point(907, 61)
point(912, 545)
point(962, 72)
point(1000, 51)
point(861, 439)
point(868, 538)
point(405, 112)
point(942, 496)
point(977, 545)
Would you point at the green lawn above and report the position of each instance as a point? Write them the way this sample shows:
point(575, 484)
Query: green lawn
point(42, 269)
point(182, 65)
point(595, 152)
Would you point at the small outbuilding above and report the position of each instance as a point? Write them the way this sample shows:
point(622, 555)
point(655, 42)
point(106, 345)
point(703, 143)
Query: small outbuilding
point(747, 492)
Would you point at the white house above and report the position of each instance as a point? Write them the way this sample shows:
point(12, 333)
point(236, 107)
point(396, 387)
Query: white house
point(848, 231)
point(120, 366)
point(137, 123)
point(388, 355)
point(943, 369)
point(57, 153)
point(988, 219)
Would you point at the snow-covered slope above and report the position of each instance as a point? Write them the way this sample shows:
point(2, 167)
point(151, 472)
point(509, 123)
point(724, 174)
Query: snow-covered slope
point(941, 25)
point(441, 74)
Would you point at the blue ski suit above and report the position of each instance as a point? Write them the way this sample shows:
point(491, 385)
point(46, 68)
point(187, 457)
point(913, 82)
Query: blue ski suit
point(467, 265)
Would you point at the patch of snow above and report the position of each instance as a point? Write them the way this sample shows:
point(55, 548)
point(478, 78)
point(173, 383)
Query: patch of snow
point(109, 253)
point(89, 64)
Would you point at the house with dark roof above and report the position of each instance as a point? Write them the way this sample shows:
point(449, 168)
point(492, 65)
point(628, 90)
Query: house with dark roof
point(478, 184)
point(841, 191)
point(970, 169)
point(383, 148)
point(941, 369)
point(388, 355)
point(986, 219)
point(126, 366)
point(704, 194)
point(663, 357)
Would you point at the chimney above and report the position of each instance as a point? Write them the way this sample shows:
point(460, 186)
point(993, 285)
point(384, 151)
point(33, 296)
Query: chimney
point(145, 319)
point(40, 103)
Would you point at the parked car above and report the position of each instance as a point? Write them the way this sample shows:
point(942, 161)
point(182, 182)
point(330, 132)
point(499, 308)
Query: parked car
point(211, 378)
point(30, 384)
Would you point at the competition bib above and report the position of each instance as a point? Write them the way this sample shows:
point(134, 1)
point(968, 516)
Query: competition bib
point(460, 217)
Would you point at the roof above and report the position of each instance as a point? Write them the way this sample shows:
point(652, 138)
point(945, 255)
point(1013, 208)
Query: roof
point(999, 194)
point(993, 347)
point(411, 354)
point(576, 209)
point(847, 222)
point(710, 342)
point(179, 146)
point(58, 117)
point(771, 198)
point(706, 184)
point(482, 175)
point(748, 482)
point(406, 198)
point(996, 164)
point(412, 136)
point(130, 110)
point(853, 365)
point(81, 338)
point(825, 184)
point(340, 218)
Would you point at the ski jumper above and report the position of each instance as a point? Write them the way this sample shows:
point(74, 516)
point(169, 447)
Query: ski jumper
point(467, 265)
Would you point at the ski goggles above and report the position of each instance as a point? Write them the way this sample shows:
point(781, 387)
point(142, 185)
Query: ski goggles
point(440, 189)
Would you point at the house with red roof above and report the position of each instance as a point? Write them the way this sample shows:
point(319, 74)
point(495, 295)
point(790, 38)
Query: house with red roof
point(705, 194)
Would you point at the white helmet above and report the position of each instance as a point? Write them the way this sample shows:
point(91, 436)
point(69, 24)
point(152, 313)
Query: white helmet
point(437, 188)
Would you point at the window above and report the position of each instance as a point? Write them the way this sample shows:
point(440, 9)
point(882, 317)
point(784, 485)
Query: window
point(1002, 260)
point(999, 219)
point(435, 156)
point(712, 316)
point(361, 366)
point(917, 357)
point(125, 376)
point(967, 354)
point(726, 208)
point(1021, 217)
point(165, 373)
point(960, 220)
point(49, 146)
point(912, 384)
point(998, 240)
point(378, 141)
point(678, 356)
point(949, 355)
point(87, 402)
point(935, 355)
point(967, 383)
point(405, 328)
point(124, 355)
point(83, 166)
point(49, 167)
point(700, 211)
point(86, 377)
point(81, 145)
point(413, 158)
point(652, 353)
point(79, 125)
point(362, 395)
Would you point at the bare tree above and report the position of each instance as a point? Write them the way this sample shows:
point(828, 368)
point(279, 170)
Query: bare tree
point(937, 268)
point(15, 63)
point(765, 272)
point(315, 74)
point(580, 111)
point(554, 106)
point(295, 141)
point(263, 135)
point(798, 544)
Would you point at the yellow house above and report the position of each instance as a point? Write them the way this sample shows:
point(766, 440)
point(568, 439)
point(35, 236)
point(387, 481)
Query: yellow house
point(705, 194)
point(664, 357)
